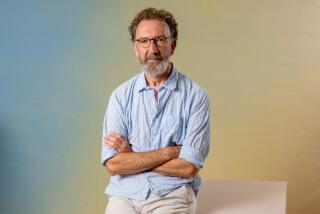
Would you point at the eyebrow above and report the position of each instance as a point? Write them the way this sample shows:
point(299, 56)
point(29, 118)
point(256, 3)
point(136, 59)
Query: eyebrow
point(153, 37)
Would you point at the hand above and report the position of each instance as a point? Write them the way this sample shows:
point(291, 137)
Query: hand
point(117, 142)
point(172, 152)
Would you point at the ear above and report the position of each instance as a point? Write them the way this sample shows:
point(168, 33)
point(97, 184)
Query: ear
point(135, 48)
point(173, 46)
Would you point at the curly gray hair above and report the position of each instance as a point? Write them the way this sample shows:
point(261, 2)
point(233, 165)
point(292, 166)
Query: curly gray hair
point(152, 13)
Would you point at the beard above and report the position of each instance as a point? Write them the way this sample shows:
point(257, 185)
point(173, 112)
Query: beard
point(155, 65)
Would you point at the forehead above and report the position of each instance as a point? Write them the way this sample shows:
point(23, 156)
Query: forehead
point(152, 28)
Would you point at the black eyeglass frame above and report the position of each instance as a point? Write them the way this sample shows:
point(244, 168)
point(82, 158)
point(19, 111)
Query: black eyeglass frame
point(155, 41)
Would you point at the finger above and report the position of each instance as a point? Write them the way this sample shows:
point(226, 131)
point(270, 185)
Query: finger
point(114, 147)
point(114, 139)
point(114, 134)
point(111, 144)
point(108, 137)
point(122, 138)
point(119, 140)
point(111, 138)
point(117, 135)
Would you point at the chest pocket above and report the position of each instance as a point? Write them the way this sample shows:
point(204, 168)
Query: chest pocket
point(172, 130)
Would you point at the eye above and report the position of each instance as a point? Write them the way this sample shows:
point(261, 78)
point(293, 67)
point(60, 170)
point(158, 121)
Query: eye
point(162, 39)
point(143, 41)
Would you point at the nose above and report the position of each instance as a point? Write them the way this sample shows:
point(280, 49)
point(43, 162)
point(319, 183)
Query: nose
point(153, 47)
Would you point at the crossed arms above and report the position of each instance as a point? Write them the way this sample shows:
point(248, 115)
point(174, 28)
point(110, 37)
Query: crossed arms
point(164, 161)
point(184, 161)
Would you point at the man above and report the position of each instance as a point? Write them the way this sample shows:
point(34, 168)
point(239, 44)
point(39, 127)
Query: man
point(156, 128)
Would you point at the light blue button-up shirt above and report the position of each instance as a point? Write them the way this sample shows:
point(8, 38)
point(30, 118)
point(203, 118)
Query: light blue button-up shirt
point(180, 115)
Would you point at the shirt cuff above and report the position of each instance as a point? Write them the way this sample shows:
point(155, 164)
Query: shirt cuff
point(191, 155)
point(106, 155)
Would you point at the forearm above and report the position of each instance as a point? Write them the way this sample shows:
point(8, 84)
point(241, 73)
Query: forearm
point(135, 162)
point(176, 167)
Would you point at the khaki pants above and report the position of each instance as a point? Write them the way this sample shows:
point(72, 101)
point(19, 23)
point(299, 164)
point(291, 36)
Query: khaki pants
point(180, 201)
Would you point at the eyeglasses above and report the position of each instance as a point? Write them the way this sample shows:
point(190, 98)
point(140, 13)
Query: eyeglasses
point(159, 41)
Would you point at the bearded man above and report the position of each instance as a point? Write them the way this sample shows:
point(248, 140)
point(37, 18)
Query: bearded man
point(156, 130)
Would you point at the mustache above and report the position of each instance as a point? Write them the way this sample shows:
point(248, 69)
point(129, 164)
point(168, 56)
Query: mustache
point(155, 57)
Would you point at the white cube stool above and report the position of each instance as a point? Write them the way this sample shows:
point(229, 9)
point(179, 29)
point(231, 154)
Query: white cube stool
point(242, 197)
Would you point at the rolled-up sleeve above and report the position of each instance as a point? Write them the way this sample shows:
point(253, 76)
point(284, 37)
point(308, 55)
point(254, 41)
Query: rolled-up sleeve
point(196, 144)
point(114, 121)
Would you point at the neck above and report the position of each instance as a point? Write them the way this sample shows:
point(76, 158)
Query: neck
point(158, 81)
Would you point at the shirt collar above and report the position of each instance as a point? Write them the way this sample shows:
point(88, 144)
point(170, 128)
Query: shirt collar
point(170, 83)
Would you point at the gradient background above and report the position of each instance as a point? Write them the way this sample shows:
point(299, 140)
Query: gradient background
point(60, 61)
